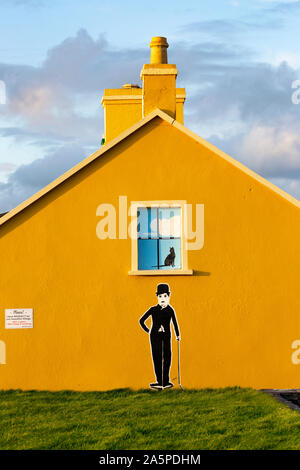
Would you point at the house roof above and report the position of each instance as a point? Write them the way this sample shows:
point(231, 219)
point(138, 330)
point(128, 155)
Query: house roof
point(156, 113)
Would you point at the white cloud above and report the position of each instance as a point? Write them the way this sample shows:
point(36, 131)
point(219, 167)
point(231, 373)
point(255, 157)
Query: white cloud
point(242, 106)
point(270, 147)
point(168, 227)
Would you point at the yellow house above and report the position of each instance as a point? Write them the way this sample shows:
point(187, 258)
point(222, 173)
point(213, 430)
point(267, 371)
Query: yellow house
point(82, 258)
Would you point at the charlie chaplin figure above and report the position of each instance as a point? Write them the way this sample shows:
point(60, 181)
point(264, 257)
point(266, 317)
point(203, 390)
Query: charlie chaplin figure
point(160, 335)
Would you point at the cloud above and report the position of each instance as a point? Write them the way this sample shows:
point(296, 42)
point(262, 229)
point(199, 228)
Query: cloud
point(247, 111)
point(224, 28)
point(45, 99)
point(236, 102)
point(56, 107)
point(272, 151)
point(283, 6)
point(275, 151)
point(28, 179)
point(167, 226)
point(256, 91)
point(6, 167)
point(291, 186)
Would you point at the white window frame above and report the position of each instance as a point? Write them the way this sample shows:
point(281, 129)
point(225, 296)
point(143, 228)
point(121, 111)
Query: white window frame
point(135, 205)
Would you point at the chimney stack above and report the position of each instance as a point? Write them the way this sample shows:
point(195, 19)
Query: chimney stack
point(159, 77)
point(125, 106)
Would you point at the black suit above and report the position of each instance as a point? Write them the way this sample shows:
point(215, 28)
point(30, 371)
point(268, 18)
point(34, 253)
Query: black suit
point(161, 340)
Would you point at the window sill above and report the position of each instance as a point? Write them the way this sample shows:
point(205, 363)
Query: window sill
point(162, 272)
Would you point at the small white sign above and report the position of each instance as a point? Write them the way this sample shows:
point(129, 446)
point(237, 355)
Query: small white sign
point(18, 318)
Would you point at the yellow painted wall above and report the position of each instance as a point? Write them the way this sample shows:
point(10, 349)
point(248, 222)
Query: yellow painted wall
point(238, 314)
point(123, 109)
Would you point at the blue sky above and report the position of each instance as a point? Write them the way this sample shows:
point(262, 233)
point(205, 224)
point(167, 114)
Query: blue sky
point(236, 58)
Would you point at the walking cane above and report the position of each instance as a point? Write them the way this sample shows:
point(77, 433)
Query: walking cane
point(179, 381)
point(162, 363)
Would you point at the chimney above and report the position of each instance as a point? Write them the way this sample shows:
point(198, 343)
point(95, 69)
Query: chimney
point(159, 80)
point(159, 54)
point(125, 106)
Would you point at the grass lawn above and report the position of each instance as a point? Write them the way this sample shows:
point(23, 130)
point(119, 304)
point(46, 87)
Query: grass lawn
point(231, 418)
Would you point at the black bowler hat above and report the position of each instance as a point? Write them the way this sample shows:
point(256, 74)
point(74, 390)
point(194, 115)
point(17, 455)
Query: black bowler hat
point(163, 289)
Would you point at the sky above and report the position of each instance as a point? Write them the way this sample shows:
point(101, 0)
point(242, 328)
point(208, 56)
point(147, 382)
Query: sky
point(237, 60)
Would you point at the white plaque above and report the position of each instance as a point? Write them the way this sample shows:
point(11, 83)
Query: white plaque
point(18, 318)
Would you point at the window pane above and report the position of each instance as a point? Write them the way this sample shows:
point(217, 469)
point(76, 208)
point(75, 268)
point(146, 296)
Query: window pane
point(147, 254)
point(170, 222)
point(147, 222)
point(169, 254)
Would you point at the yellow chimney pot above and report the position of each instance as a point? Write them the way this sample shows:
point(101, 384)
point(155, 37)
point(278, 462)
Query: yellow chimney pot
point(159, 47)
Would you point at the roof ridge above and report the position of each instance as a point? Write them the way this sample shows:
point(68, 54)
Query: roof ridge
point(156, 113)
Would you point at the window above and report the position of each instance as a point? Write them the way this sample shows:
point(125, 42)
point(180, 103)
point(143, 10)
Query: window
point(158, 247)
point(159, 238)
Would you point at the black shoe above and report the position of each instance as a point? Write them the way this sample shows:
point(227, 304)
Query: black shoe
point(156, 385)
point(168, 385)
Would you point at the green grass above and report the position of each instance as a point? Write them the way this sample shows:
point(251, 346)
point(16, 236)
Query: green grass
point(231, 418)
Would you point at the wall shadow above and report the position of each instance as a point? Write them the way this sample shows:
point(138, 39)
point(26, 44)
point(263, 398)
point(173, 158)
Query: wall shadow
point(201, 273)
